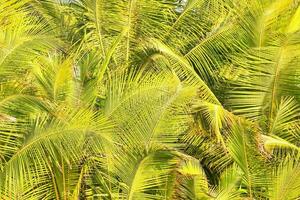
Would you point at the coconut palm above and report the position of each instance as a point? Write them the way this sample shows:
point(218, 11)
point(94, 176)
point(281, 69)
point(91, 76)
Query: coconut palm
point(149, 99)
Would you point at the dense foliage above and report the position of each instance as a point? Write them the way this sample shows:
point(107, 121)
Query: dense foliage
point(149, 99)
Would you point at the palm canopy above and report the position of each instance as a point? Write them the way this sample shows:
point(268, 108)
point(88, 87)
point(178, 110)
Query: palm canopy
point(149, 99)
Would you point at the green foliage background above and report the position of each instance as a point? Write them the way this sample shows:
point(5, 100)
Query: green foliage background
point(150, 99)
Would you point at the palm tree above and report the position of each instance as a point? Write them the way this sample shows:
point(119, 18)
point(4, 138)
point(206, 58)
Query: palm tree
point(149, 99)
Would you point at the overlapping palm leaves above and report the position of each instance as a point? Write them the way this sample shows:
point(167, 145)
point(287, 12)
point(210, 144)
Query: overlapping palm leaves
point(149, 99)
